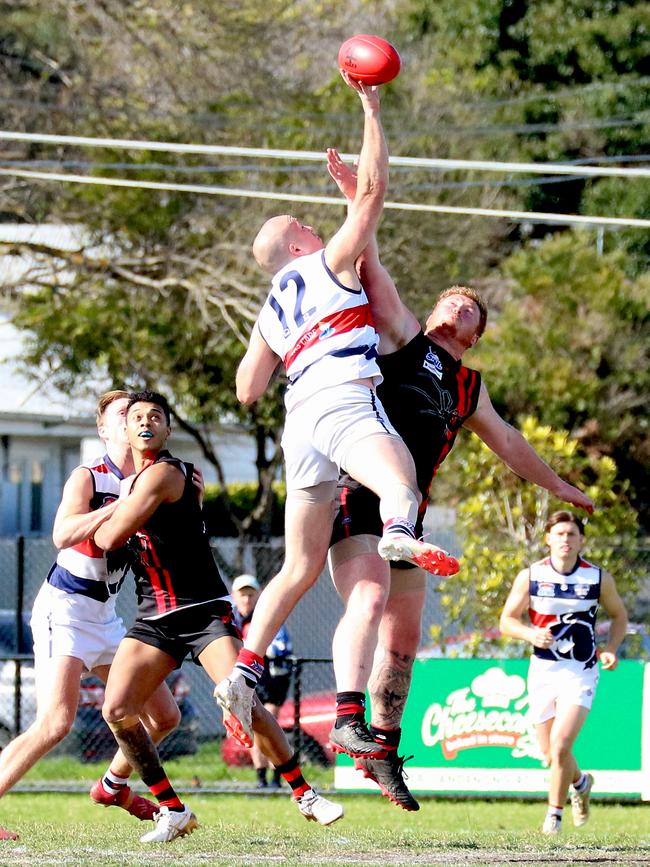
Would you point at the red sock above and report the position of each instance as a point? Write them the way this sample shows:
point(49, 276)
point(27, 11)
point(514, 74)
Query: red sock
point(164, 793)
point(291, 772)
point(251, 666)
point(388, 738)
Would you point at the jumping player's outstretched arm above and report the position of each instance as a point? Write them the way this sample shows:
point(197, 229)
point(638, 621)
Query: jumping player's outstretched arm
point(255, 369)
point(365, 208)
point(393, 320)
point(74, 521)
point(159, 483)
point(514, 450)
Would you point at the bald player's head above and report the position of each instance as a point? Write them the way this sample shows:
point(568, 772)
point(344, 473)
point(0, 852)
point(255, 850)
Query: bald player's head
point(282, 239)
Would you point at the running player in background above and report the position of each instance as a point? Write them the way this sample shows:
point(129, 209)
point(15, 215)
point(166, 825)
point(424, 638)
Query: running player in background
point(317, 321)
point(74, 623)
point(183, 608)
point(561, 595)
point(429, 395)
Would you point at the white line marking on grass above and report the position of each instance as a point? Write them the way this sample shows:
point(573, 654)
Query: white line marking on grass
point(175, 855)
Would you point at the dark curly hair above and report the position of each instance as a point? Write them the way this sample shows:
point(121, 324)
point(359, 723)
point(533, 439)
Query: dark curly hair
point(150, 397)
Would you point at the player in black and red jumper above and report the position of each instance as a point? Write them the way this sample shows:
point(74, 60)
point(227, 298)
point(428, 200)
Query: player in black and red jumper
point(428, 394)
point(183, 608)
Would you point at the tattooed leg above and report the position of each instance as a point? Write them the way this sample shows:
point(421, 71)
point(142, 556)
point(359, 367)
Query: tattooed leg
point(141, 753)
point(137, 672)
point(399, 638)
point(389, 687)
point(136, 744)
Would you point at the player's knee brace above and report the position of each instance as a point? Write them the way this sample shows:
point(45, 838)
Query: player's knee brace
point(126, 722)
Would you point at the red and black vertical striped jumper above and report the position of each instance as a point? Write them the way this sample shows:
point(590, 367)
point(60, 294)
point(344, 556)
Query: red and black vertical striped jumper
point(428, 395)
point(172, 561)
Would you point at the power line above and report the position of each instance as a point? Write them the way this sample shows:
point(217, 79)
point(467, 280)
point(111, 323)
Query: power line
point(576, 91)
point(318, 156)
point(251, 168)
point(515, 216)
point(534, 128)
point(520, 129)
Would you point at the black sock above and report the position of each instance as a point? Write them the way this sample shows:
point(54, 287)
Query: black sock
point(388, 738)
point(293, 775)
point(350, 706)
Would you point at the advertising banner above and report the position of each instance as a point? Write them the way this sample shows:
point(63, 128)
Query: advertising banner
point(467, 727)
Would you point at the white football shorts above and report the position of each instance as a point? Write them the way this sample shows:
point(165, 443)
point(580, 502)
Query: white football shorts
point(68, 624)
point(555, 682)
point(319, 432)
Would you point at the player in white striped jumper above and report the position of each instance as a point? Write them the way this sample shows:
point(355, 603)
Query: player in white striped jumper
point(74, 622)
point(562, 594)
point(316, 320)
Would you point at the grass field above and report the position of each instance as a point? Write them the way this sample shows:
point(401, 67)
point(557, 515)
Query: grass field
point(245, 829)
point(63, 829)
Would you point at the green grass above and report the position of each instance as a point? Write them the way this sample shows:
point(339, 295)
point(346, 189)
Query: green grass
point(206, 764)
point(240, 829)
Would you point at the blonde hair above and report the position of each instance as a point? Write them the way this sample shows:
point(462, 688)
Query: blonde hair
point(472, 294)
point(105, 399)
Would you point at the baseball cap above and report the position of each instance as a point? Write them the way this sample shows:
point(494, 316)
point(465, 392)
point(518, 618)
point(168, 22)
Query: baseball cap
point(242, 581)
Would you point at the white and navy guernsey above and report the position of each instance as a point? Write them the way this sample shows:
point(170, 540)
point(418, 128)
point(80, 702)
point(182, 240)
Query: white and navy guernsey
point(323, 331)
point(84, 568)
point(567, 605)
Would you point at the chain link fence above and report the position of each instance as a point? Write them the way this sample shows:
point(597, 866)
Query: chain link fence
point(24, 563)
point(306, 716)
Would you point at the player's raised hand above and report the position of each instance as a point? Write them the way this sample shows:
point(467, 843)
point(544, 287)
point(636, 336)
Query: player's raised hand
point(343, 175)
point(576, 497)
point(369, 94)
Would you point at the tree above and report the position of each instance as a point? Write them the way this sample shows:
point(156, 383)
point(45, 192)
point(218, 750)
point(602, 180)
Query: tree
point(620, 198)
point(570, 344)
point(501, 521)
point(488, 79)
point(167, 320)
point(554, 81)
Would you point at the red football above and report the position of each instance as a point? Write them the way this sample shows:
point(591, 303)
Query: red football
point(369, 59)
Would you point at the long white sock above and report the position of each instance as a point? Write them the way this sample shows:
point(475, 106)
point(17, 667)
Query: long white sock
point(581, 783)
point(112, 783)
point(400, 502)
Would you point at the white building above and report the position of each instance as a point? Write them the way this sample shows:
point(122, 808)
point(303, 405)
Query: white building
point(44, 434)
